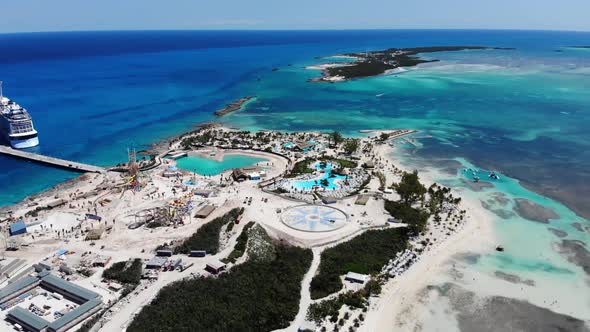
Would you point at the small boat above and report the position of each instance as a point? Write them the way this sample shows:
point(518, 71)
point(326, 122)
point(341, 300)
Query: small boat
point(494, 176)
point(476, 179)
point(500, 248)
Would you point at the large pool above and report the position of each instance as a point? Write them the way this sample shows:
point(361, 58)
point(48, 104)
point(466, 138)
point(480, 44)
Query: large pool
point(309, 184)
point(205, 166)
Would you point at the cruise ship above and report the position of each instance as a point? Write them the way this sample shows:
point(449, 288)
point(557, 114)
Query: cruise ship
point(16, 124)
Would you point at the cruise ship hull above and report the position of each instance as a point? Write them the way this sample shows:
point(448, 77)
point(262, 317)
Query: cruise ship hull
point(25, 143)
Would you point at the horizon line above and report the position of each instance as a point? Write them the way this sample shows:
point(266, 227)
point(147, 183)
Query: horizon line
point(294, 30)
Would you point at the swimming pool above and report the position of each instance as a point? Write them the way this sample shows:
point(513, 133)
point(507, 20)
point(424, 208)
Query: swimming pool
point(204, 166)
point(327, 175)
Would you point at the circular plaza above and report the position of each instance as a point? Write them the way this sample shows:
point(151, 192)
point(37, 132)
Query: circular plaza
point(314, 218)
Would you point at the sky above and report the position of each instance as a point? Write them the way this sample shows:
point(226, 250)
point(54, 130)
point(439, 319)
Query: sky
point(72, 15)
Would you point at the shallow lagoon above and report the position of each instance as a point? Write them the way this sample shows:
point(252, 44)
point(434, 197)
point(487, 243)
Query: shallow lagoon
point(205, 166)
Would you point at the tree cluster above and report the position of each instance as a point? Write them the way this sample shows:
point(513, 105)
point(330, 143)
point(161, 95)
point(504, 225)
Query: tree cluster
point(207, 237)
point(416, 218)
point(351, 145)
point(366, 253)
point(240, 246)
point(128, 272)
point(410, 189)
point(253, 296)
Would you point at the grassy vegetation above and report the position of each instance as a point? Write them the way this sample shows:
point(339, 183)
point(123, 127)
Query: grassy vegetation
point(301, 167)
point(207, 237)
point(254, 296)
point(342, 162)
point(366, 253)
point(240, 247)
point(329, 309)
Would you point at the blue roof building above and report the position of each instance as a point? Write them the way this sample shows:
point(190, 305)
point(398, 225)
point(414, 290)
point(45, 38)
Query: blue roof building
point(18, 227)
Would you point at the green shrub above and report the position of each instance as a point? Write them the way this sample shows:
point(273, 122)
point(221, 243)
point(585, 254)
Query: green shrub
point(241, 243)
point(254, 296)
point(128, 272)
point(366, 253)
point(207, 237)
point(319, 311)
point(415, 218)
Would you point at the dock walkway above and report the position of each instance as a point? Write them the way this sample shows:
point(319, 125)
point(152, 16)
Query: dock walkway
point(61, 163)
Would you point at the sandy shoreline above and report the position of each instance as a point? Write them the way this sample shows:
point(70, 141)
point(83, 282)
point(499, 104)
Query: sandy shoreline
point(401, 294)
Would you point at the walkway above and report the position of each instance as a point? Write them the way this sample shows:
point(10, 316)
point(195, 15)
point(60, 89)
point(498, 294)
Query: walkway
point(52, 161)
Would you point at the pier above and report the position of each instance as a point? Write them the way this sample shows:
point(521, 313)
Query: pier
point(52, 161)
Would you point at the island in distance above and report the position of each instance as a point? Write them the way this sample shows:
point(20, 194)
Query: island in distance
point(378, 62)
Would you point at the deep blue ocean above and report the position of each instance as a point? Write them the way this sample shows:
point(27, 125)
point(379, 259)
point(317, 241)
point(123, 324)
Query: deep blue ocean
point(523, 113)
point(94, 94)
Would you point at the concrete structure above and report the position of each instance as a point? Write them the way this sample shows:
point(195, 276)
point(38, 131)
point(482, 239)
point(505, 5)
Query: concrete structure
point(52, 161)
point(198, 253)
point(329, 200)
point(239, 175)
point(215, 266)
point(156, 262)
point(56, 203)
point(28, 320)
point(205, 211)
point(356, 277)
point(164, 253)
point(177, 155)
point(248, 173)
point(89, 302)
point(70, 290)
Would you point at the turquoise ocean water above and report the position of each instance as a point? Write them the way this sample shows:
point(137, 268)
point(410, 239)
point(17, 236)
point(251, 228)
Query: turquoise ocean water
point(523, 113)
